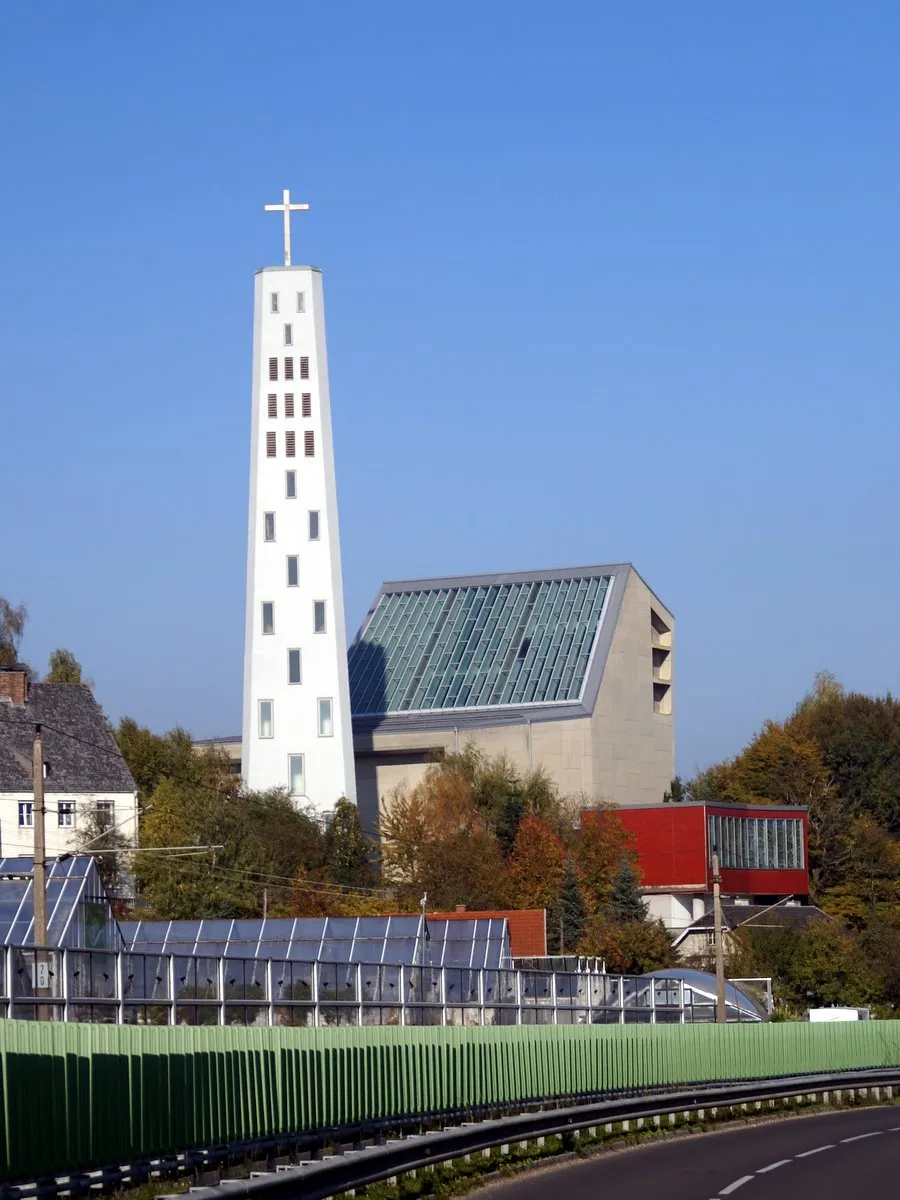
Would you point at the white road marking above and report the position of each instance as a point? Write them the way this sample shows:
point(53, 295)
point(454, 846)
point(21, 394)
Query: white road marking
point(772, 1166)
point(818, 1150)
point(894, 1129)
point(733, 1187)
point(859, 1137)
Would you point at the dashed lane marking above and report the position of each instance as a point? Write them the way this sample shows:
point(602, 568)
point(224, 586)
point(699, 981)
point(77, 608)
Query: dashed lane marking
point(818, 1150)
point(774, 1166)
point(733, 1187)
point(859, 1137)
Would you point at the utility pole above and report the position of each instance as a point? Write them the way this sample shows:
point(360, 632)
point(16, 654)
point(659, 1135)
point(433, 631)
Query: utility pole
point(721, 1016)
point(39, 876)
point(265, 903)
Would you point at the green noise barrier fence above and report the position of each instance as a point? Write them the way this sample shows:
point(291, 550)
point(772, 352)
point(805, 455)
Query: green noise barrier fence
point(82, 1096)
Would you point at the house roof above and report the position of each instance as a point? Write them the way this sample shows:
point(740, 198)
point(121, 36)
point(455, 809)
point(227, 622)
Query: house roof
point(758, 916)
point(80, 752)
point(485, 644)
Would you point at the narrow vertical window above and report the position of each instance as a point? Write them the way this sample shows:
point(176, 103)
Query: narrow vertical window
point(290, 444)
point(296, 775)
point(289, 335)
point(301, 302)
point(270, 445)
point(288, 368)
point(26, 814)
point(268, 616)
point(309, 443)
point(295, 667)
point(304, 367)
point(65, 814)
point(266, 718)
point(290, 485)
point(273, 368)
point(313, 526)
point(307, 404)
point(273, 405)
point(318, 616)
point(326, 724)
point(273, 302)
point(289, 404)
point(269, 527)
point(293, 570)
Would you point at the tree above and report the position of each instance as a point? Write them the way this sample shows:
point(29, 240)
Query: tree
point(65, 668)
point(676, 792)
point(347, 849)
point(152, 757)
point(99, 836)
point(597, 852)
point(536, 867)
point(12, 627)
point(435, 840)
point(626, 902)
point(628, 947)
point(567, 915)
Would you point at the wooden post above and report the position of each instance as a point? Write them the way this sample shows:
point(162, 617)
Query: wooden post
point(721, 1016)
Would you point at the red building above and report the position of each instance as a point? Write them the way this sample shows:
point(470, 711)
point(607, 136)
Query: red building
point(762, 854)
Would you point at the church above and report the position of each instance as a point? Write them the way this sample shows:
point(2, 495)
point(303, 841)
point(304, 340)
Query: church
point(569, 669)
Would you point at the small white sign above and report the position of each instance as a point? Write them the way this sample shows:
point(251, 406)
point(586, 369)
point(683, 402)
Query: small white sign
point(40, 975)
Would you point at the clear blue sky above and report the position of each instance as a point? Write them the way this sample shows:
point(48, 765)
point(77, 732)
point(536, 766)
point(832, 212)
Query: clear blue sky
point(604, 282)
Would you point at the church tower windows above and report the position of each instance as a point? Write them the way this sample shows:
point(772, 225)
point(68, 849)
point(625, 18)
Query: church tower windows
point(289, 405)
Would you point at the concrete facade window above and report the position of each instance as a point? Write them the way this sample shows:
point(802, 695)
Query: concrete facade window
point(268, 616)
point(319, 616)
point(273, 368)
point(326, 721)
point(289, 368)
point(65, 814)
point(313, 525)
point(270, 445)
point(306, 402)
point(301, 302)
point(289, 335)
point(269, 527)
point(290, 444)
point(290, 485)
point(309, 443)
point(266, 718)
point(304, 367)
point(273, 405)
point(293, 570)
point(295, 666)
point(296, 775)
point(289, 405)
point(273, 302)
point(26, 815)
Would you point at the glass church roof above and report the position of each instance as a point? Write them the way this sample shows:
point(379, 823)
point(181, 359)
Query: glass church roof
point(482, 942)
point(477, 645)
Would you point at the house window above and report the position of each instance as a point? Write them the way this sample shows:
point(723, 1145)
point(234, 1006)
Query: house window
point(295, 667)
point(290, 485)
point(266, 718)
point(273, 302)
point(289, 335)
point(309, 443)
point(318, 616)
point(273, 368)
point(290, 444)
point(307, 404)
point(289, 404)
point(289, 368)
point(326, 724)
point(269, 527)
point(273, 405)
point(65, 814)
point(26, 815)
point(270, 445)
point(268, 616)
point(293, 570)
point(313, 526)
point(296, 775)
point(301, 302)
point(304, 367)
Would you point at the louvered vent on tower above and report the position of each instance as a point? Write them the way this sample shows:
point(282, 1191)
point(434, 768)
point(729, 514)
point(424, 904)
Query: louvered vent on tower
point(273, 368)
point(290, 443)
point(273, 405)
point(307, 404)
point(309, 443)
point(289, 404)
point(289, 368)
point(270, 445)
point(304, 367)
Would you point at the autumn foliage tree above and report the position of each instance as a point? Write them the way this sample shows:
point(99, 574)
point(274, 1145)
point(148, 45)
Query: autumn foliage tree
point(536, 867)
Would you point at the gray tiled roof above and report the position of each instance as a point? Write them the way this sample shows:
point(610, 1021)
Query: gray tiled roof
point(87, 761)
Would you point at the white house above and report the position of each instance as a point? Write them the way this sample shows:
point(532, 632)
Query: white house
point(84, 772)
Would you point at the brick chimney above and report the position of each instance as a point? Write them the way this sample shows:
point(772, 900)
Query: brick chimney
point(14, 684)
point(461, 908)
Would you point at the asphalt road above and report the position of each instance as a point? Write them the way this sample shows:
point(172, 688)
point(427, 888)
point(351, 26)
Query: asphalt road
point(850, 1155)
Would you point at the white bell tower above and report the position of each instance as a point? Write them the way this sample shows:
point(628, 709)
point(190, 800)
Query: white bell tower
point(296, 725)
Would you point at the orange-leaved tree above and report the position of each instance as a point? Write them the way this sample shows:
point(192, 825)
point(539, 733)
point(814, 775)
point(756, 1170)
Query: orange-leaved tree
point(536, 866)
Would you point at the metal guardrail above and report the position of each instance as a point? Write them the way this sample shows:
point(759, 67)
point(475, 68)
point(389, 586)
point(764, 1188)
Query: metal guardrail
point(316, 1179)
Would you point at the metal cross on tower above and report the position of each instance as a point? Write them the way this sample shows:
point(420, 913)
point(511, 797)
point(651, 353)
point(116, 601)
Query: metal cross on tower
point(287, 208)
